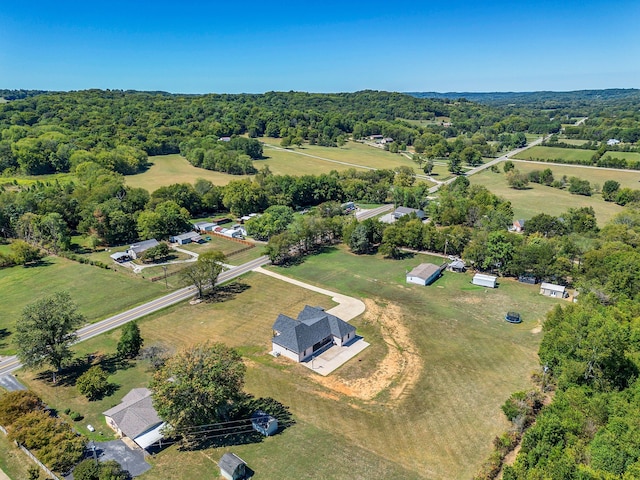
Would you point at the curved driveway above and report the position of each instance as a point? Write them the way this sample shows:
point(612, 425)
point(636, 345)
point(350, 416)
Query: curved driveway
point(347, 308)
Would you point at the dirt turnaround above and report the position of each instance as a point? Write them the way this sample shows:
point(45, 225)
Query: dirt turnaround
point(397, 372)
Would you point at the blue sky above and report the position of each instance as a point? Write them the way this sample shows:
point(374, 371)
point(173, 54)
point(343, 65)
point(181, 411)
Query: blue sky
point(330, 46)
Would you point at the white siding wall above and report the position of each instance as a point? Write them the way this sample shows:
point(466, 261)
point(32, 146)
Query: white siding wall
point(416, 280)
point(284, 352)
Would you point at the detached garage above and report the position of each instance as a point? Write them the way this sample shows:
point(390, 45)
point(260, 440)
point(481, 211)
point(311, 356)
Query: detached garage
point(424, 274)
point(483, 280)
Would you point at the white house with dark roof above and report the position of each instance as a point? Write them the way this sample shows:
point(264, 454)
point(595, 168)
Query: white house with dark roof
point(137, 249)
point(313, 330)
point(136, 418)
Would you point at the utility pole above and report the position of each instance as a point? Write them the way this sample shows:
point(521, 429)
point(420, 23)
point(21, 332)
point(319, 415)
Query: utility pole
point(164, 267)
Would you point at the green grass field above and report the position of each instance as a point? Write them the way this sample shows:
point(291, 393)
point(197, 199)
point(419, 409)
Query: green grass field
point(12, 461)
point(441, 362)
point(169, 169)
point(541, 199)
point(594, 175)
point(99, 293)
point(569, 154)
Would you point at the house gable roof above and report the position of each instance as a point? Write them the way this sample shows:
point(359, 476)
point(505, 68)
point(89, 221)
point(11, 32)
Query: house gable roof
point(401, 211)
point(135, 413)
point(553, 287)
point(142, 246)
point(312, 326)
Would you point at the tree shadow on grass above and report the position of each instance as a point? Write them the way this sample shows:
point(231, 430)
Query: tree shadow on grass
point(4, 334)
point(227, 292)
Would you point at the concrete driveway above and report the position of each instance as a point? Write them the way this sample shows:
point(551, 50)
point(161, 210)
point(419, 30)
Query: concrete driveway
point(348, 308)
point(130, 459)
point(328, 360)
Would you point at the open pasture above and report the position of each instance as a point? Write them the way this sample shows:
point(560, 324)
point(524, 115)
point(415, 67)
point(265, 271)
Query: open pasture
point(99, 293)
point(569, 154)
point(542, 199)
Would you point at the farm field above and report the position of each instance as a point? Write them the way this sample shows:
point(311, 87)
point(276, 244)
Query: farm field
point(594, 175)
point(575, 154)
point(85, 283)
point(541, 199)
point(573, 141)
point(168, 169)
point(353, 152)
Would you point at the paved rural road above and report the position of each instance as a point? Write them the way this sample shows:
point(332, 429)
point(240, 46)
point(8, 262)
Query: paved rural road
point(364, 214)
point(9, 364)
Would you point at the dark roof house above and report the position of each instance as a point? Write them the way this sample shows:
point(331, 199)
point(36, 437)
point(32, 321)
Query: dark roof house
point(136, 418)
point(313, 330)
point(402, 211)
point(139, 248)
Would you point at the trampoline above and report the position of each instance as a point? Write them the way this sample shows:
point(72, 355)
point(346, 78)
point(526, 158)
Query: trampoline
point(513, 317)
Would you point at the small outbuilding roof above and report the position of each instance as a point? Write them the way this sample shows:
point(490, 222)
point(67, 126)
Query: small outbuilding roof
point(230, 462)
point(457, 265)
point(119, 255)
point(195, 237)
point(552, 287)
point(424, 271)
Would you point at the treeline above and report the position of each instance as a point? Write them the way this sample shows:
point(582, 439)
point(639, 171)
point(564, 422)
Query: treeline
point(229, 155)
point(54, 132)
point(99, 204)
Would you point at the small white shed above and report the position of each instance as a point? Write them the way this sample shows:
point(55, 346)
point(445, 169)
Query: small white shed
point(232, 467)
point(552, 290)
point(483, 280)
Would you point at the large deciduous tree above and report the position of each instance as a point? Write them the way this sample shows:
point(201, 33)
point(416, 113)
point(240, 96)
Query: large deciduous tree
point(198, 386)
point(46, 331)
point(204, 273)
point(131, 341)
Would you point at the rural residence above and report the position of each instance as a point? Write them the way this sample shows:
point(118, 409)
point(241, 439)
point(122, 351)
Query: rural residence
point(120, 257)
point(204, 226)
point(613, 141)
point(552, 290)
point(314, 330)
point(136, 418)
point(264, 423)
point(483, 280)
point(518, 226)
point(137, 249)
point(185, 238)
point(402, 211)
point(232, 467)
point(425, 273)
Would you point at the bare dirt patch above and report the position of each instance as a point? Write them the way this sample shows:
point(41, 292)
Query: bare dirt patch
point(537, 329)
point(398, 371)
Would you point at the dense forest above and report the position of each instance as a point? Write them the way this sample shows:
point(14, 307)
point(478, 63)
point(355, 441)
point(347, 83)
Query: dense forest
point(54, 132)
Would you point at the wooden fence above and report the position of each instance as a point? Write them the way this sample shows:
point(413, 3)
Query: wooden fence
point(33, 458)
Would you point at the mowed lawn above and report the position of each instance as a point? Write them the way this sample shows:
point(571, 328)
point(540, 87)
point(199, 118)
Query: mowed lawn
point(541, 199)
point(552, 153)
point(441, 424)
point(99, 293)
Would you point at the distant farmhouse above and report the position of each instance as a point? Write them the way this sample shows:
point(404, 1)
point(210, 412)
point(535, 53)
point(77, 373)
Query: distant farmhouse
point(137, 249)
point(425, 273)
point(518, 226)
point(188, 237)
point(400, 212)
point(613, 141)
point(313, 330)
point(136, 418)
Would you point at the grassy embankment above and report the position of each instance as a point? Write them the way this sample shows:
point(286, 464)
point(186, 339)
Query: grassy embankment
point(421, 402)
